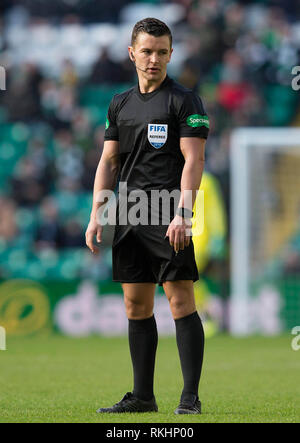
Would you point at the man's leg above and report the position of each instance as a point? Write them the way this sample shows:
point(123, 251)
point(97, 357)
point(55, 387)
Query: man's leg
point(189, 333)
point(142, 335)
point(142, 332)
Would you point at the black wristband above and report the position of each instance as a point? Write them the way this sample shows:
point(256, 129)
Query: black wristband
point(185, 213)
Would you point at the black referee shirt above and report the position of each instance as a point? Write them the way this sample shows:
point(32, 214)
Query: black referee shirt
point(148, 128)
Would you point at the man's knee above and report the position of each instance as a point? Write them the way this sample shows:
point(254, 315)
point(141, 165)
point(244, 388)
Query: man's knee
point(139, 301)
point(137, 310)
point(181, 298)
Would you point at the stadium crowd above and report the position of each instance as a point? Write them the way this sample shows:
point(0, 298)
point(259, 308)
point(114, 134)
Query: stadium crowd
point(237, 54)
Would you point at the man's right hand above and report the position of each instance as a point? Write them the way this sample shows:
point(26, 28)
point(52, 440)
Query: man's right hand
point(93, 229)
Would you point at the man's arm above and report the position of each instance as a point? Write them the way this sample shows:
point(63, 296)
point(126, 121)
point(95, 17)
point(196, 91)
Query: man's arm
point(105, 179)
point(193, 150)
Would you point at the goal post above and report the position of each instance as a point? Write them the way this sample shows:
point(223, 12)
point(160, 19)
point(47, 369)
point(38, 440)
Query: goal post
point(265, 192)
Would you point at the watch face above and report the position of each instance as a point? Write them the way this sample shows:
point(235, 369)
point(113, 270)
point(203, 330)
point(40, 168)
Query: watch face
point(185, 213)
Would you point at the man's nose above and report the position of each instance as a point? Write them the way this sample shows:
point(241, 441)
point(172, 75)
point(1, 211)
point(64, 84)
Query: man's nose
point(154, 57)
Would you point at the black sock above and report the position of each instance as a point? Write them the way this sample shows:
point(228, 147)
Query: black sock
point(143, 339)
point(190, 343)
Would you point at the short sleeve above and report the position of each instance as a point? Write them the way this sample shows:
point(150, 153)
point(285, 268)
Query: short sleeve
point(111, 128)
point(193, 120)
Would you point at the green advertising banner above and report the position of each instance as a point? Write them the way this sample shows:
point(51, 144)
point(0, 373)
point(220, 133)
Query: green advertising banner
point(76, 308)
point(79, 308)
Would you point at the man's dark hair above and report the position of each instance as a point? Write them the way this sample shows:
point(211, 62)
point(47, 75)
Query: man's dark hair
point(151, 26)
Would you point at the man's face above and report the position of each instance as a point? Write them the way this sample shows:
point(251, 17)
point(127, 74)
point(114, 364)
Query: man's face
point(152, 54)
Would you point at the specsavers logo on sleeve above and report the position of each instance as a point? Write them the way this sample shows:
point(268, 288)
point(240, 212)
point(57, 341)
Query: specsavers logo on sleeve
point(197, 120)
point(157, 135)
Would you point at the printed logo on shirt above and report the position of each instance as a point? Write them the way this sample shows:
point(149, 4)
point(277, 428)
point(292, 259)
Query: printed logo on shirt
point(197, 120)
point(157, 135)
point(107, 124)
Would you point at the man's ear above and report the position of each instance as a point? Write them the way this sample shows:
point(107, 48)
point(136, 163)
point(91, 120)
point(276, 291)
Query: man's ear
point(131, 55)
point(170, 55)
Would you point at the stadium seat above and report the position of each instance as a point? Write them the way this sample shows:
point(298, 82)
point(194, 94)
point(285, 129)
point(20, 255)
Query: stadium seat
point(171, 13)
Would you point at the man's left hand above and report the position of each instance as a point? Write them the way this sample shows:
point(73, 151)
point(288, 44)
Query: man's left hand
point(179, 233)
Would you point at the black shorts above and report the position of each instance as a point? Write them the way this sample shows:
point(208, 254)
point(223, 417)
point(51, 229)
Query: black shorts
point(143, 255)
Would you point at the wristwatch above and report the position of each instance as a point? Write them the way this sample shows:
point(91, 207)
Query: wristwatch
point(185, 213)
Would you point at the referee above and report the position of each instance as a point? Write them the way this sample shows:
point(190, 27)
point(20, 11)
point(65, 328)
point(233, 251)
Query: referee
point(154, 140)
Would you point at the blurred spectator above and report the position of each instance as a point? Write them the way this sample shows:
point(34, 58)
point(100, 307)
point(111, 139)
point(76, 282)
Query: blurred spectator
point(21, 99)
point(72, 235)
point(59, 104)
point(233, 25)
point(8, 226)
point(291, 266)
point(68, 76)
point(49, 98)
point(66, 108)
point(89, 171)
point(82, 129)
point(68, 158)
point(233, 90)
point(49, 232)
point(92, 158)
point(28, 186)
point(190, 75)
point(106, 71)
point(41, 160)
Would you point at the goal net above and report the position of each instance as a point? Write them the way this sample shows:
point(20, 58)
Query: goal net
point(265, 230)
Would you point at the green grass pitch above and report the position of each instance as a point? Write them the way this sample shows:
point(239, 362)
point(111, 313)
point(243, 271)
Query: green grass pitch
point(58, 379)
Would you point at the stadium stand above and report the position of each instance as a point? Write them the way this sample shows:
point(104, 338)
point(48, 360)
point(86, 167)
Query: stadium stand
point(64, 63)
